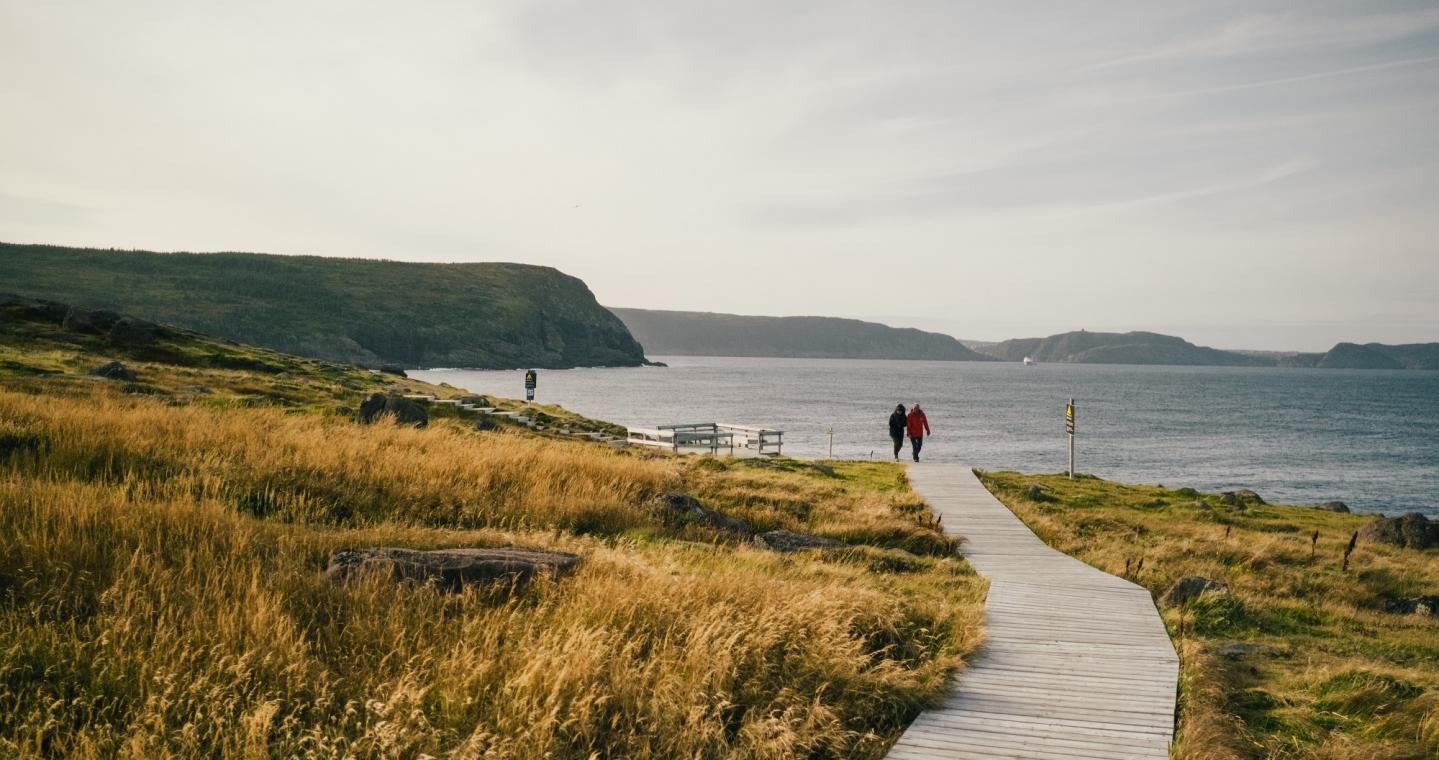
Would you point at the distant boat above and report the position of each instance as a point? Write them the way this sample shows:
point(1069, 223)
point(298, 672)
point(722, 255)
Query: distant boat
point(1028, 360)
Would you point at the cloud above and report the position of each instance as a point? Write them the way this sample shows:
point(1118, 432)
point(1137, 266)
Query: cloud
point(1344, 72)
point(1276, 33)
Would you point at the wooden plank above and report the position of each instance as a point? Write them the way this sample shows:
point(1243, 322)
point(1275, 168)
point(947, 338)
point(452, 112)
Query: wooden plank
point(1076, 664)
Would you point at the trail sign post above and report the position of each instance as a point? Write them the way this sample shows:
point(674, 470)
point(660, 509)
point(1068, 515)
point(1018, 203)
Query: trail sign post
point(532, 379)
point(1069, 428)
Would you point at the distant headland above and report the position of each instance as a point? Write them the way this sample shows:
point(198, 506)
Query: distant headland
point(366, 311)
point(689, 333)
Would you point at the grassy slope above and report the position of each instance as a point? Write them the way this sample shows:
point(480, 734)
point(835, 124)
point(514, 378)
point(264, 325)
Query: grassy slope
point(160, 592)
point(1335, 676)
point(470, 315)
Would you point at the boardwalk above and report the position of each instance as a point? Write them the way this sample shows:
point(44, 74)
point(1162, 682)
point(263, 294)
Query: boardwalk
point(1076, 664)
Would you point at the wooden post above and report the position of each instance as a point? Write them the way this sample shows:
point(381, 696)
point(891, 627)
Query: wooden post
point(1069, 427)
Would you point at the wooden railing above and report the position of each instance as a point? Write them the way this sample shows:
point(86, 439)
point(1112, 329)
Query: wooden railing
point(710, 435)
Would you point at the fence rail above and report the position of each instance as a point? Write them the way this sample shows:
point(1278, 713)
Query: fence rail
point(710, 435)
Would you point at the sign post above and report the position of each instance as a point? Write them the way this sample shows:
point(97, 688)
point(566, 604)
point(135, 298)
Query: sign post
point(532, 379)
point(1069, 428)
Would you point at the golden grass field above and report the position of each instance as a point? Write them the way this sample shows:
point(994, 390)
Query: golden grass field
point(1335, 676)
point(162, 543)
point(161, 589)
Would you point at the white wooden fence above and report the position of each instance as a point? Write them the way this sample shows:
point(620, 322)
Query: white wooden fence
point(715, 436)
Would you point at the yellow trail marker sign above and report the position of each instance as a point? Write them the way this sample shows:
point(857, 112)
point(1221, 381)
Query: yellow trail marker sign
point(1069, 428)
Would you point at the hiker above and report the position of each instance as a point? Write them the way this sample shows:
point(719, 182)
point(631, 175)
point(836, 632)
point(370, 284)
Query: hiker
point(918, 427)
point(896, 429)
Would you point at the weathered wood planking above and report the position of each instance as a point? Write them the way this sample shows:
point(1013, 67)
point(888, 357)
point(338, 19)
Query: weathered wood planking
point(1076, 662)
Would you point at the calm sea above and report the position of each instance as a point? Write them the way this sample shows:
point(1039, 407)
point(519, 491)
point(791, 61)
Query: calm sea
point(1368, 438)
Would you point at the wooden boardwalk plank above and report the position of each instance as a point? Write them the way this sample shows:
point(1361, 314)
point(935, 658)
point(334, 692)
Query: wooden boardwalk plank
point(1076, 663)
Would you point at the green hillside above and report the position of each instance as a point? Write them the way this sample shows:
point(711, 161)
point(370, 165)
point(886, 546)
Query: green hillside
point(691, 333)
point(1381, 356)
point(1086, 347)
point(370, 312)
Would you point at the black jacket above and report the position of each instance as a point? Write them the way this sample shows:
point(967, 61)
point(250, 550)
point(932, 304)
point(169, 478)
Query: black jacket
point(896, 424)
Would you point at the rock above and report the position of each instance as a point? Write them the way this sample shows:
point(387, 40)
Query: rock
point(406, 412)
point(822, 469)
point(114, 371)
point(128, 331)
point(679, 509)
point(84, 320)
point(789, 541)
point(485, 424)
point(480, 401)
point(1240, 498)
point(1189, 588)
point(372, 407)
point(1409, 531)
point(393, 369)
point(1426, 606)
point(1333, 506)
point(1036, 492)
point(1237, 649)
point(451, 569)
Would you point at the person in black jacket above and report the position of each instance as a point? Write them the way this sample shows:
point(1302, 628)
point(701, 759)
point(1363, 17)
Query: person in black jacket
point(897, 421)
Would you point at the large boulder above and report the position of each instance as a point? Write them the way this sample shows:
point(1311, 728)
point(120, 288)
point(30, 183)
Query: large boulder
point(1333, 506)
point(87, 321)
point(1409, 531)
point(789, 541)
point(405, 411)
point(1189, 588)
point(1427, 606)
point(1240, 498)
point(114, 371)
point(131, 332)
point(451, 569)
point(680, 509)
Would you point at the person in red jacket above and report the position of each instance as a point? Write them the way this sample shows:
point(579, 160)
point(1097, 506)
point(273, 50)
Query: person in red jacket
point(918, 427)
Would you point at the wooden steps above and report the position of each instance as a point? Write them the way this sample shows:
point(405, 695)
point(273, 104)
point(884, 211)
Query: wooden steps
point(1076, 664)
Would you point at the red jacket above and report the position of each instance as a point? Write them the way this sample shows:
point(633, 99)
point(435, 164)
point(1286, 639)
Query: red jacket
point(917, 425)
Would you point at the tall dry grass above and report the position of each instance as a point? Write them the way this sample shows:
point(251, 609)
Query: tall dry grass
point(148, 610)
point(326, 469)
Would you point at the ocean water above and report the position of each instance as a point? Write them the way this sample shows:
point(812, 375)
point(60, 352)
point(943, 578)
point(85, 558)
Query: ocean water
point(1368, 438)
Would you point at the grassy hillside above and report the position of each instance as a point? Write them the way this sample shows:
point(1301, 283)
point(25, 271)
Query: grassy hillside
point(690, 333)
point(161, 595)
point(1381, 356)
point(1330, 674)
point(1119, 348)
point(352, 310)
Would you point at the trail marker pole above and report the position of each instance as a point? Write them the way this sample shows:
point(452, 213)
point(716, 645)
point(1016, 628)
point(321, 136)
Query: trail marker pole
point(1069, 428)
point(831, 442)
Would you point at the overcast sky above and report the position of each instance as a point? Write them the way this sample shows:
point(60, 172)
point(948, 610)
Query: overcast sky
point(1247, 175)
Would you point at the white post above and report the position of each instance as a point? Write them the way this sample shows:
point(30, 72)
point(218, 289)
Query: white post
point(831, 442)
